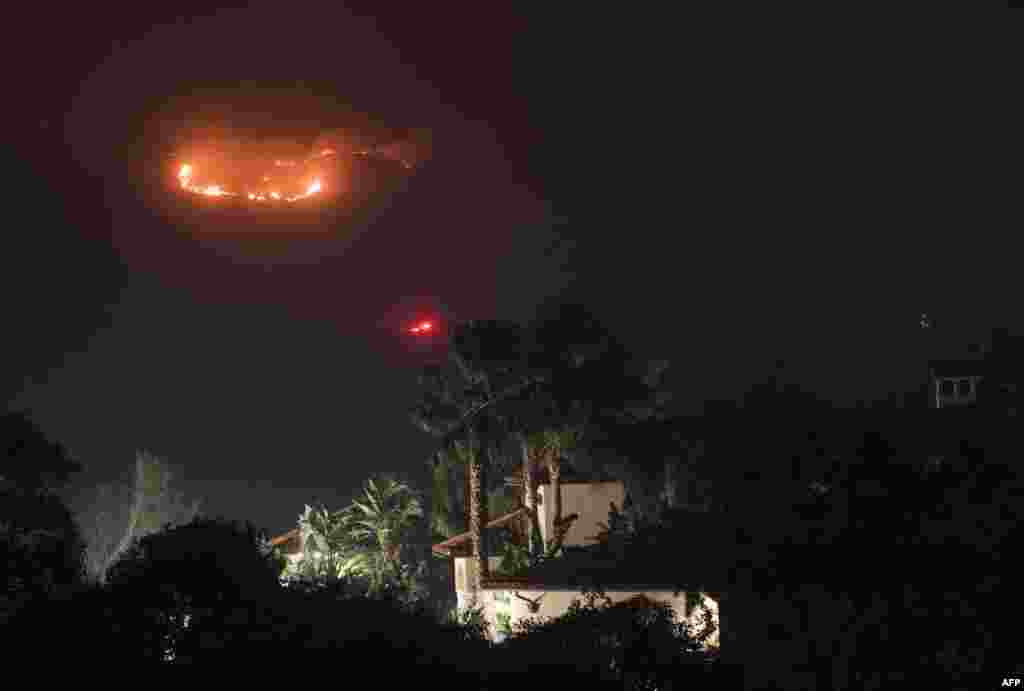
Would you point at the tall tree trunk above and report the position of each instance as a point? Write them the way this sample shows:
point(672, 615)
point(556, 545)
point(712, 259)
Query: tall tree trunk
point(555, 471)
point(477, 520)
point(670, 483)
point(533, 531)
point(485, 516)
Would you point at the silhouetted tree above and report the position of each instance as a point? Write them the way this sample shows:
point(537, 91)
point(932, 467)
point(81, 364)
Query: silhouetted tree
point(580, 376)
point(31, 461)
point(224, 558)
point(112, 517)
point(448, 500)
point(40, 545)
point(459, 405)
point(40, 548)
point(190, 577)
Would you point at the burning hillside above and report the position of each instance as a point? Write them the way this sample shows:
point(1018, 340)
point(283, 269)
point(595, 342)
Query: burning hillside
point(252, 174)
point(281, 179)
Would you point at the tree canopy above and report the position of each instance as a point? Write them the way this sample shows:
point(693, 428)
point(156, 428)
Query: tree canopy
point(31, 461)
point(365, 540)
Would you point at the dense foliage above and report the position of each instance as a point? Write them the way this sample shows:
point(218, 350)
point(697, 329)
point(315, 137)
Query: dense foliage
point(846, 553)
point(366, 545)
point(31, 461)
point(41, 550)
point(638, 643)
point(112, 516)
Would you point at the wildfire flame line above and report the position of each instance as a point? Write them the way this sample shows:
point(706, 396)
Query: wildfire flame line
point(186, 175)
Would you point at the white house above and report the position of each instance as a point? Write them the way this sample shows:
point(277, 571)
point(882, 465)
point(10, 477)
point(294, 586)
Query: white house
point(548, 590)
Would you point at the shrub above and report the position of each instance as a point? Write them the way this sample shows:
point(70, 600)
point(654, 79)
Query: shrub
point(41, 549)
point(633, 642)
point(189, 579)
point(207, 559)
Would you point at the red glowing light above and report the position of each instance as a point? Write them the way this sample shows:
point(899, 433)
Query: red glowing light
point(422, 327)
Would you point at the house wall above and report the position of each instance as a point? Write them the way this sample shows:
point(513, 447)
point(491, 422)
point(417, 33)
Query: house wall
point(956, 397)
point(465, 570)
point(590, 500)
point(554, 603)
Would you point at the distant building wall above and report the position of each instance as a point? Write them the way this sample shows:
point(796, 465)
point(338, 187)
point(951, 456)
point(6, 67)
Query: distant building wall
point(590, 500)
point(954, 391)
point(465, 570)
point(554, 603)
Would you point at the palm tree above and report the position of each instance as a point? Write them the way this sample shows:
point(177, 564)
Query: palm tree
point(468, 453)
point(522, 383)
point(548, 419)
point(386, 514)
point(365, 539)
point(530, 463)
point(554, 444)
point(541, 385)
point(460, 405)
point(326, 544)
point(588, 381)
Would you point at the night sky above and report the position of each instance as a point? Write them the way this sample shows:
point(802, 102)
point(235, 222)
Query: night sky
point(720, 205)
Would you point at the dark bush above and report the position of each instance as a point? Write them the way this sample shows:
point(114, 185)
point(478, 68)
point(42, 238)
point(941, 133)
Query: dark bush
point(209, 561)
point(90, 625)
point(637, 642)
point(207, 575)
point(41, 549)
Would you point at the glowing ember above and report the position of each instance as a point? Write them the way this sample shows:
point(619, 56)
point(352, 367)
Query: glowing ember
point(422, 327)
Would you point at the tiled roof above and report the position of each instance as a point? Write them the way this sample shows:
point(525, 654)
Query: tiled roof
point(451, 544)
point(289, 542)
point(281, 539)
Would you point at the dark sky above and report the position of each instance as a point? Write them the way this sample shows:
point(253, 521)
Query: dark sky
point(720, 203)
